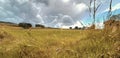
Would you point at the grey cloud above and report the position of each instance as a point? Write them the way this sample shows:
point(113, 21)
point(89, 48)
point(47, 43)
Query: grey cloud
point(48, 12)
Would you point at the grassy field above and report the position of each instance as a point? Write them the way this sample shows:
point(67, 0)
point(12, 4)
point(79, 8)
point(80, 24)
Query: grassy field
point(16, 42)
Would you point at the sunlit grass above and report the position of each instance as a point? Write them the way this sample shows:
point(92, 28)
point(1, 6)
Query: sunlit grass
point(58, 43)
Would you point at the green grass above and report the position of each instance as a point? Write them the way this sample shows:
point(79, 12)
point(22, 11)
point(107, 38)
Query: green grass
point(57, 43)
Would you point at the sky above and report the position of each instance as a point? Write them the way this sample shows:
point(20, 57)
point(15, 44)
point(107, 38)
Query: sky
point(55, 13)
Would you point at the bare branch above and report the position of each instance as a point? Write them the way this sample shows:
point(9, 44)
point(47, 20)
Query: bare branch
point(94, 14)
point(90, 8)
point(98, 7)
point(110, 9)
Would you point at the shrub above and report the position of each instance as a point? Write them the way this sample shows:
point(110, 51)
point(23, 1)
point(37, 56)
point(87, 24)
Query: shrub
point(76, 27)
point(38, 25)
point(25, 25)
point(70, 27)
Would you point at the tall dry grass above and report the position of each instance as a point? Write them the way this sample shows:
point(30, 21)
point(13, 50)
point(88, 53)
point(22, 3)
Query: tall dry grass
point(58, 43)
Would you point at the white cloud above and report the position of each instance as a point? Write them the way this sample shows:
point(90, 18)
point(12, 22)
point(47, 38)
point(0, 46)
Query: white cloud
point(117, 6)
point(65, 1)
point(81, 7)
point(46, 11)
point(37, 11)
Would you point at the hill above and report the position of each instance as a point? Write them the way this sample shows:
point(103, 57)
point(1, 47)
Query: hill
point(2, 23)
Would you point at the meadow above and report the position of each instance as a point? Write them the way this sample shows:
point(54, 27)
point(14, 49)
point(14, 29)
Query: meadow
point(16, 42)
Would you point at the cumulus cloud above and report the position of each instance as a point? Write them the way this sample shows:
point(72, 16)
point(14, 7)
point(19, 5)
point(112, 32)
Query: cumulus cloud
point(54, 13)
point(42, 11)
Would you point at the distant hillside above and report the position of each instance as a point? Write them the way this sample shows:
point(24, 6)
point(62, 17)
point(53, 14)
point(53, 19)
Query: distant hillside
point(2, 23)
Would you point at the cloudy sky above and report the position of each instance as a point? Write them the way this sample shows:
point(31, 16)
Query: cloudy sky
point(54, 13)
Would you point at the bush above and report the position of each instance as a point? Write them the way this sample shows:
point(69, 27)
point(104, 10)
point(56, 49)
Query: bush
point(76, 27)
point(25, 25)
point(38, 25)
point(70, 28)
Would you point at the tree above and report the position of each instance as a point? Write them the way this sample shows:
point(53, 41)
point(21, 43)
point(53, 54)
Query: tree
point(39, 25)
point(90, 8)
point(76, 27)
point(96, 7)
point(110, 10)
point(93, 10)
point(25, 25)
point(70, 27)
